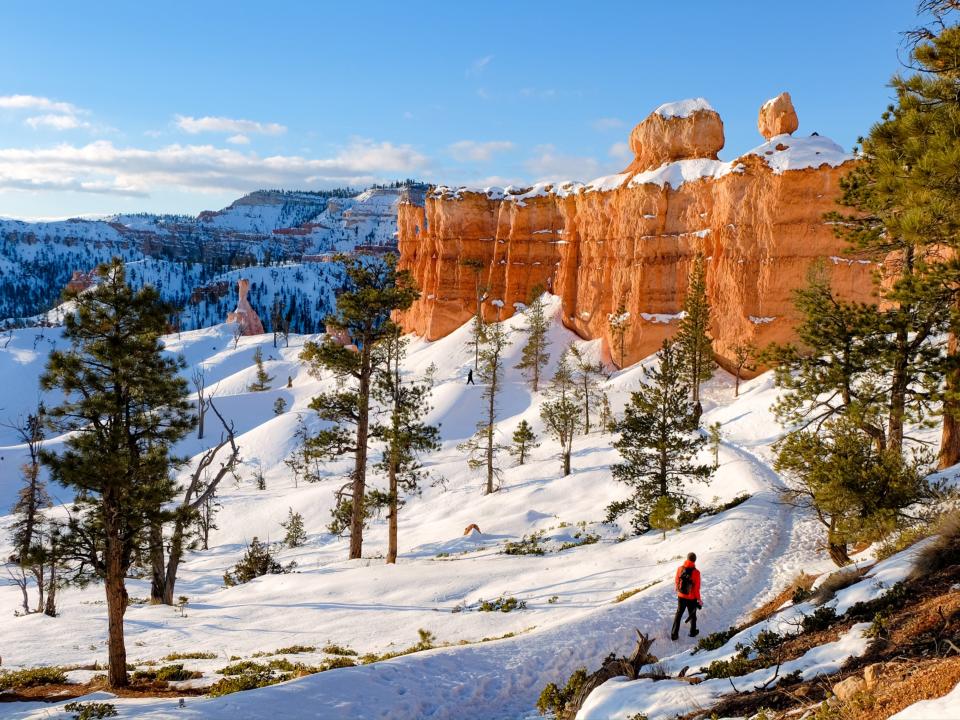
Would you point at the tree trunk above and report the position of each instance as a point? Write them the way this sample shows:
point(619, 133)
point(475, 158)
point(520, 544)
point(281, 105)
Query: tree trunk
point(201, 411)
point(838, 553)
point(50, 609)
point(38, 572)
point(158, 579)
point(950, 437)
point(566, 462)
point(736, 387)
point(392, 517)
point(898, 393)
point(116, 607)
point(357, 516)
point(490, 418)
point(173, 562)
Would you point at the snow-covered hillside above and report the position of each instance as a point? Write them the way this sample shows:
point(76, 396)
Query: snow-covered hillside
point(492, 664)
point(181, 254)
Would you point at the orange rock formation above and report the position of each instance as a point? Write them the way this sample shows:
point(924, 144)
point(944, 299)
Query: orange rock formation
point(245, 315)
point(627, 240)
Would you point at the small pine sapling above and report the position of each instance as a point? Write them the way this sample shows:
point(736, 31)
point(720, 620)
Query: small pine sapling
point(295, 535)
point(524, 440)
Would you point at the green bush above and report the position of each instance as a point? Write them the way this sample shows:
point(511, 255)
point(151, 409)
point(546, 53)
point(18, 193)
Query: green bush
point(190, 656)
point(334, 649)
point(295, 650)
point(503, 604)
point(739, 664)
point(246, 681)
point(256, 562)
point(32, 677)
point(717, 640)
point(166, 673)
point(821, 619)
point(91, 710)
point(526, 546)
point(554, 699)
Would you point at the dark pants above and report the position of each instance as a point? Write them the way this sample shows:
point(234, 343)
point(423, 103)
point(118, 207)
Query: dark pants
point(691, 607)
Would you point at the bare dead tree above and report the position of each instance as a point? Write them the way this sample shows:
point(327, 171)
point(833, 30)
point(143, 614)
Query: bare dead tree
point(199, 380)
point(200, 487)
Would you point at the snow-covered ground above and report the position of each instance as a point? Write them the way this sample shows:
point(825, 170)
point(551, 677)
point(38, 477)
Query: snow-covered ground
point(571, 618)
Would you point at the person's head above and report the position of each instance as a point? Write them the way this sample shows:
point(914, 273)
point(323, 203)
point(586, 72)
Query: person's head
point(692, 557)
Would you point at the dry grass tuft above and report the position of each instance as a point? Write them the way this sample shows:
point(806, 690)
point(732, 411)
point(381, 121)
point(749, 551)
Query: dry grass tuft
point(800, 585)
point(942, 552)
point(837, 581)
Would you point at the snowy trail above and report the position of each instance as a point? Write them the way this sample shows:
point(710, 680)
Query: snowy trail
point(505, 677)
point(572, 618)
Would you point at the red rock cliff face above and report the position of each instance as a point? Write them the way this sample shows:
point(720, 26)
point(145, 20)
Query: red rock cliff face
point(628, 240)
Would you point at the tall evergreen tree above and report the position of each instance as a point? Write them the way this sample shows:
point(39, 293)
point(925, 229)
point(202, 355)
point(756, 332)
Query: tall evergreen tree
point(561, 414)
point(404, 434)
point(374, 290)
point(658, 442)
point(693, 338)
point(587, 376)
point(618, 324)
point(483, 447)
point(906, 194)
point(535, 353)
point(124, 405)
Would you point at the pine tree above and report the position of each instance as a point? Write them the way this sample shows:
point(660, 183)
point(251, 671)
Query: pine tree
point(618, 324)
point(483, 447)
point(477, 324)
point(524, 440)
point(295, 534)
point(279, 406)
point(404, 435)
point(256, 562)
point(743, 356)
point(373, 292)
point(693, 340)
point(857, 491)
point(561, 414)
point(713, 432)
point(663, 516)
point(534, 356)
point(124, 405)
point(658, 442)
point(263, 379)
point(845, 363)
point(587, 375)
point(906, 196)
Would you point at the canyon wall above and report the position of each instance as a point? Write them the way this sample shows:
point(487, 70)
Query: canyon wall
point(626, 241)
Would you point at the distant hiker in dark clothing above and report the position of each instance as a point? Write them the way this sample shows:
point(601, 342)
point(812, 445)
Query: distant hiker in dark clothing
point(470, 377)
point(688, 596)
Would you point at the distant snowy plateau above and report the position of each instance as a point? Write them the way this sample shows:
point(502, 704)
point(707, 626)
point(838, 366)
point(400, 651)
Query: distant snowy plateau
point(281, 241)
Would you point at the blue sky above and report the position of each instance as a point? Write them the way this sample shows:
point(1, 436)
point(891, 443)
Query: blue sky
point(183, 106)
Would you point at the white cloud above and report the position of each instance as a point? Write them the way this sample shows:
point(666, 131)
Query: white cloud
point(56, 122)
point(34, 102)
point(194, 126)
point(105, 168)
point(478, 65)
point(55, 115)
point(548, 165)
point(607, 123)
point(473, 151)
point(238, 139)
point(620, 151)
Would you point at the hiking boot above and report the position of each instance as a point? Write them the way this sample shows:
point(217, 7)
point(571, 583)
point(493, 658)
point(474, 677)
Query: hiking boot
point(694, 633)
point(674, 636)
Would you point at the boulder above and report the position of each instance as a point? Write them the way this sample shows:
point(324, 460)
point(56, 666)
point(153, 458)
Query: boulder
point(871, 675)
point(245, 316)
point(846, 690)
point(676, 131)
point(777, 117)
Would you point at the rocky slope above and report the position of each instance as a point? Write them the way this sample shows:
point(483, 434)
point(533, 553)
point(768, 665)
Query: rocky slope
point(627, 240)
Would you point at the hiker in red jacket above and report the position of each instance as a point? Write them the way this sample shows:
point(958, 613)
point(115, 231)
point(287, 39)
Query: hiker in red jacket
point(687, 585)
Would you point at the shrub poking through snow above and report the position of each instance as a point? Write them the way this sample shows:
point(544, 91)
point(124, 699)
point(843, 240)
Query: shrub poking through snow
point(91, 710)
point(717, 640)
point(528, 545)
point(32, 677)
point(821, 619)
point(553, 699)
point(502, 604)
point(256, 562)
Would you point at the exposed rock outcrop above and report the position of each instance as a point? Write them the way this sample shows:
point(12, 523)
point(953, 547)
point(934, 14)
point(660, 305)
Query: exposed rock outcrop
point(777, 117)
point(245, 316)
point(628, 239)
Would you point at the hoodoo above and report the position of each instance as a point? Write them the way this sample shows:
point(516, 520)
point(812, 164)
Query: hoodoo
point(627, 240)
point(245, 315)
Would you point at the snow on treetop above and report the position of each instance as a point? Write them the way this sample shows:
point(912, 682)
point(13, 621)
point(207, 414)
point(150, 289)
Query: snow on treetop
point(682, 108)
